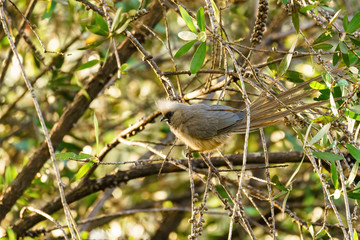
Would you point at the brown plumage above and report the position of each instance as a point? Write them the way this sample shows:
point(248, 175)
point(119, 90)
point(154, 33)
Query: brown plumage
point(204, 127)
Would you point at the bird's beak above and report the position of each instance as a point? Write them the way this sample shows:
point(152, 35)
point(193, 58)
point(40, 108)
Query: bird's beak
point(163, 119)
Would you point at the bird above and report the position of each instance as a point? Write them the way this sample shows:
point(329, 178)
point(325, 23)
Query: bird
point(204, 127)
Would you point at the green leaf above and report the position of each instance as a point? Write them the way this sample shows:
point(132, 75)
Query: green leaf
point(88, 64)
point(97, 30)
point(353, 173)
point(100, 21)
point(323, 119)
point(83, 170)
point(11, 234)
point(49, 10)
point(198, 58)
point(354, 195)
point(220, 189)
point(294, 76)
point(342, 82)
point(352, 115)
point(285, 62)
point(324, 37)
point(323, 46)
point(202, 36)
point(317, 85)
point(187, 19)
point(96, 127)
point(307, 8)
point(123, 26)
point(336, 56)
point(187, 35)
point(353, 151)
point(295, 18)
point(119, 17)
point(200, 18)
point(354, 23)
point(10, 174)
point(355, 109)
point(278, 184)
point(216, 10)
point(355, 235)
point(332, 20)
point(345, 22)
point(343, 47)
point(355, 41)
point(66, 156)
point(334, 175)
point(324, 130)
point(84, 156)
point(184, 49)
point(327, 156)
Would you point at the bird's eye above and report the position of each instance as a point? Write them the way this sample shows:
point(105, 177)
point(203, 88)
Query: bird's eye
point(168, 115)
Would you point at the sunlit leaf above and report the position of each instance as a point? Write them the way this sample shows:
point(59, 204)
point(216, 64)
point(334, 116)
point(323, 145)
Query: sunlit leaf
point(285, 62)
point(88, 64)
point(187, 35)
point(83, 170)
point(354, 23)
point(353, 151)
point(324, 37)
point(200, 18)
point(355, 109)
point(49, 9)
point(123, 26)
point(11, 235)
point(352, 115)
point(85, 156)
point(335, 16)
point(216, 10)
point(307, 8)
point(202, 36)
point(353, 173)
point(328, 156)
point(66, 155)
point(184, 49)
point(323, 46)
point(317, 85)
point(198, 58)
point(119, 17)
point(185, 15)
point(355, 235)
point(324, 130)
point(323, 119)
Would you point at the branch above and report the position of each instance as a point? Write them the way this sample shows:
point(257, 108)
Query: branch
point(94, 185)
point(72, 114)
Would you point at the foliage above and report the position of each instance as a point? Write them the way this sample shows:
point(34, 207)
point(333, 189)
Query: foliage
point(96, 69)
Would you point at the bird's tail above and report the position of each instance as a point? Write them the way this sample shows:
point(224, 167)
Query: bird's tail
point(266, 111)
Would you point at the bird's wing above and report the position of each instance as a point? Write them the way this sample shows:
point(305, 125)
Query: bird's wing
point(208, 121)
